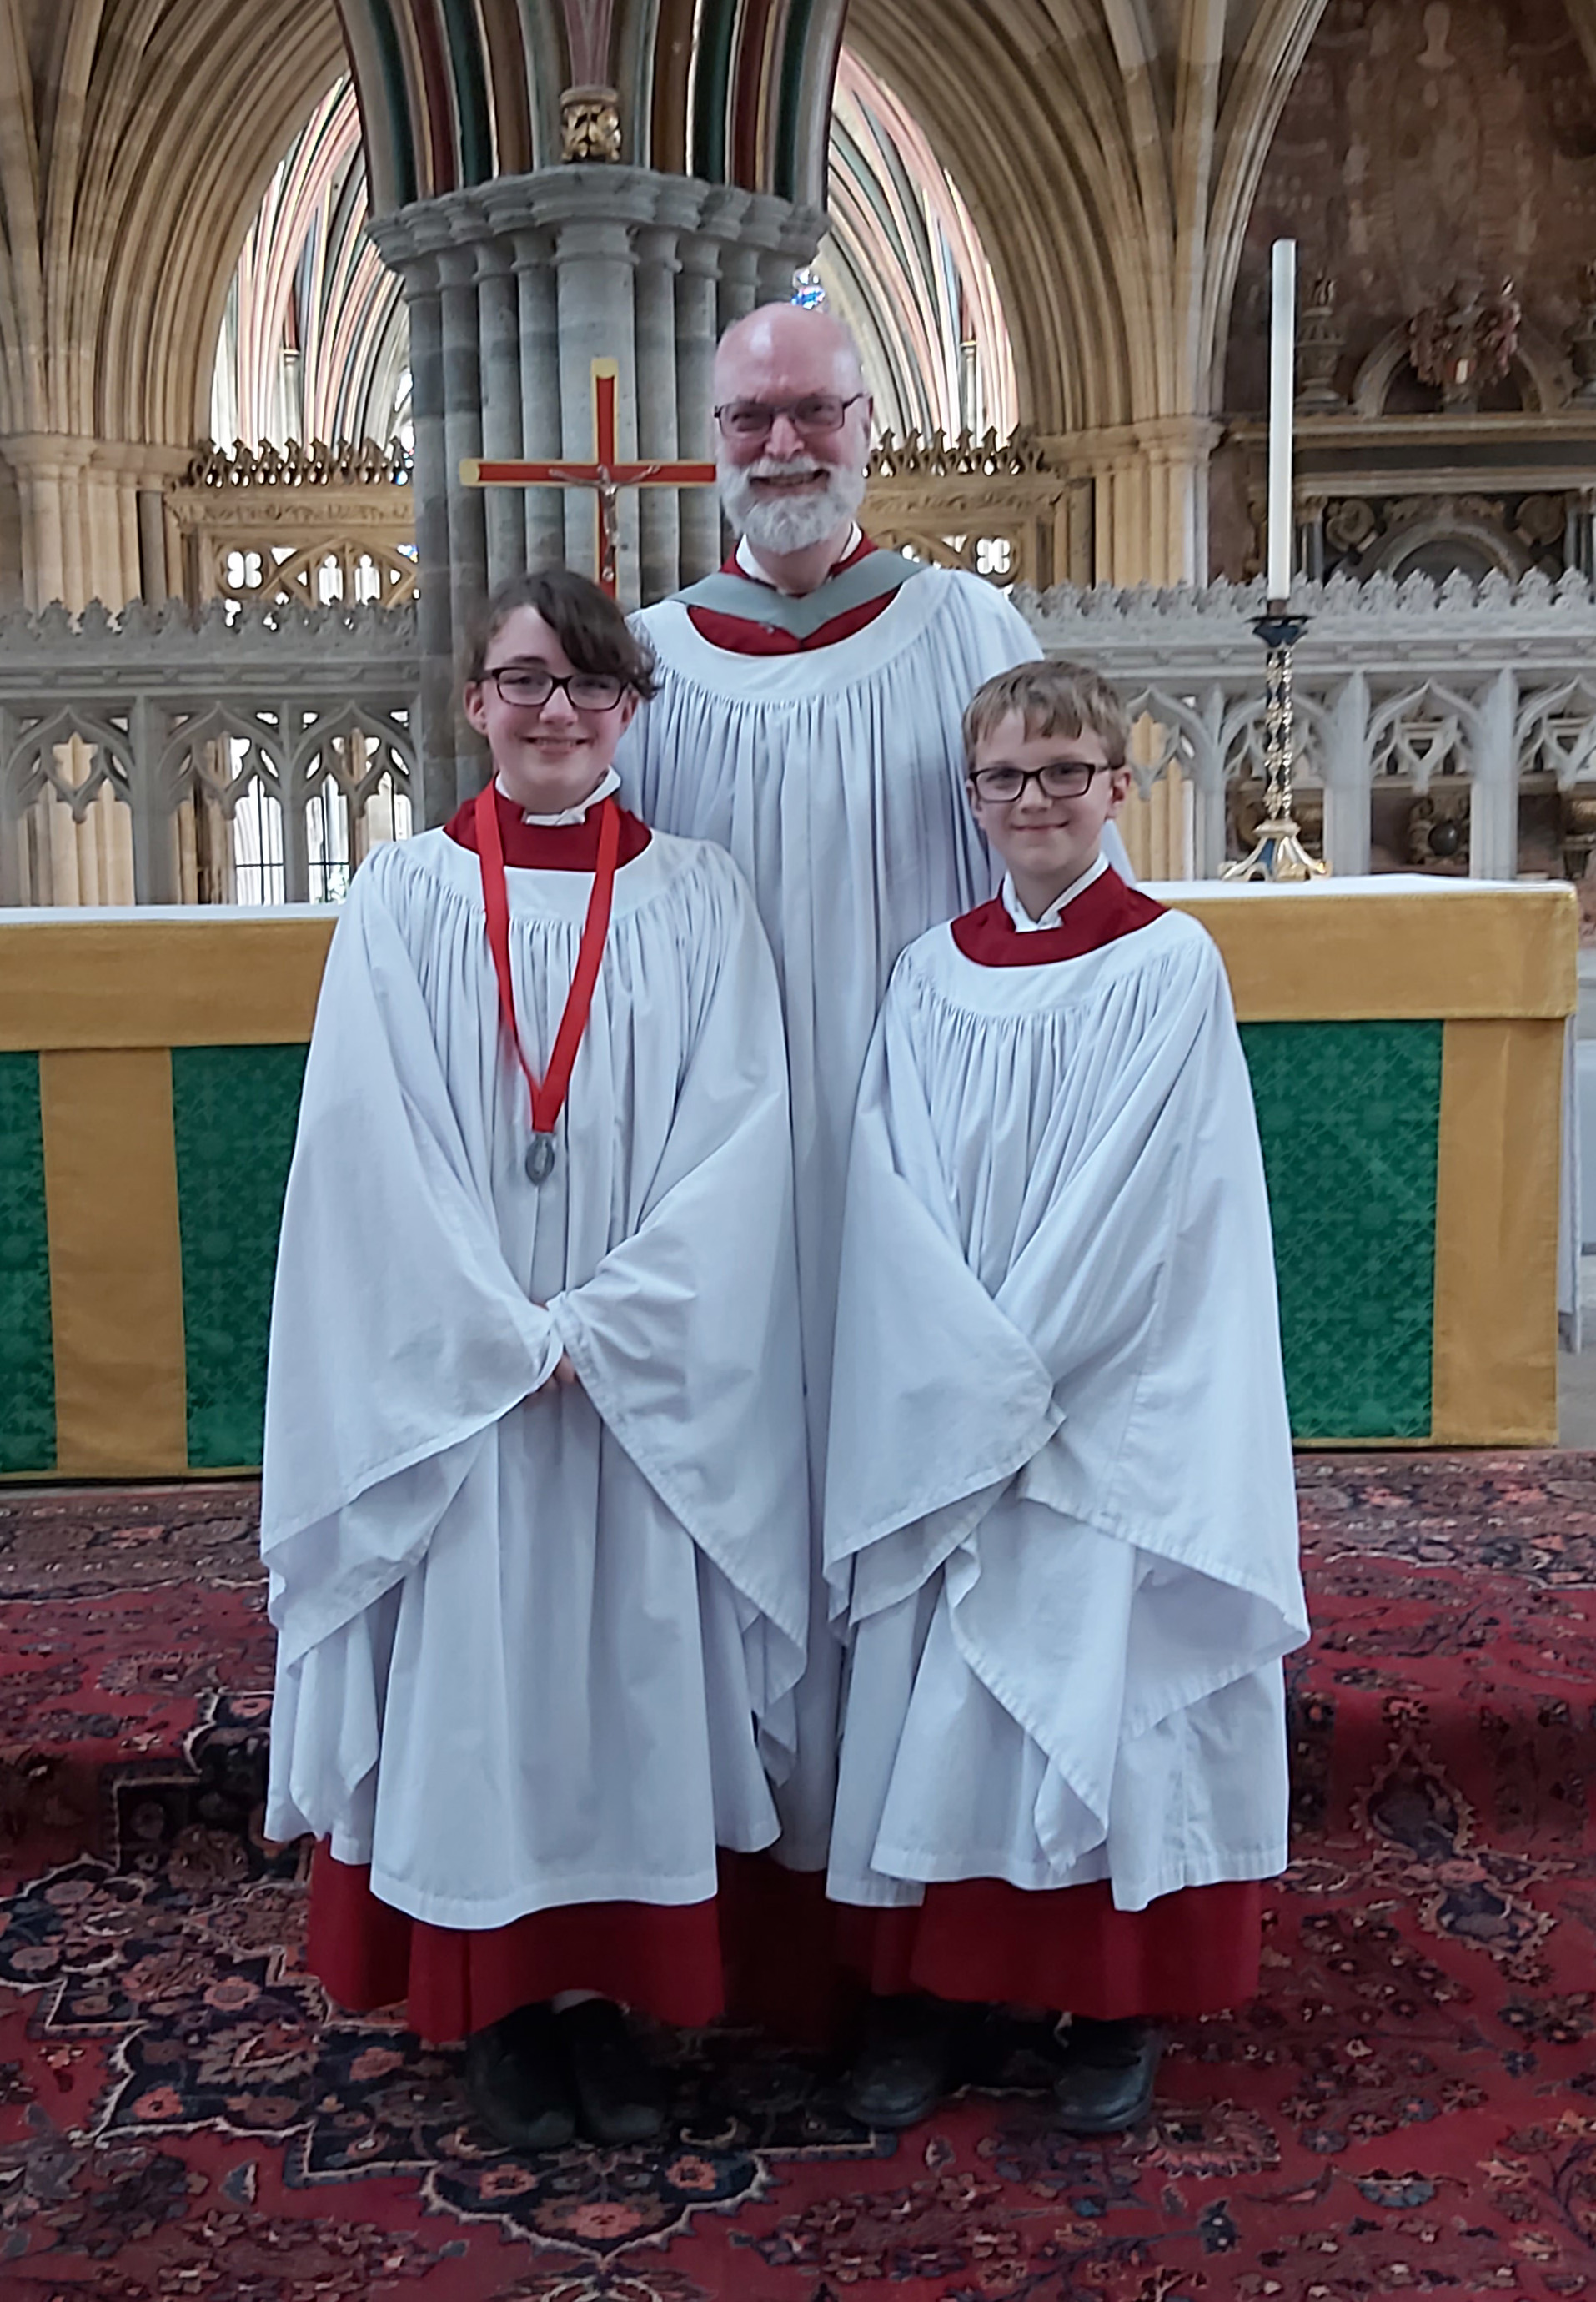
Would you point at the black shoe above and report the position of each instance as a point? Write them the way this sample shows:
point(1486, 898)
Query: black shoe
point(1106, 2084)
point(908, 2064)
point(618, 2094)
point(516, 2084)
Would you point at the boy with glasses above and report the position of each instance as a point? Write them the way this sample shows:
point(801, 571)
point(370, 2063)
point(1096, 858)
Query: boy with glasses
point(1062, 1531)
point(534, 1506)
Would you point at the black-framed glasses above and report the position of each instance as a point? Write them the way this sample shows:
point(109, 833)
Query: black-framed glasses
point(1059, 779)
point(531, 684)
point(754, 419)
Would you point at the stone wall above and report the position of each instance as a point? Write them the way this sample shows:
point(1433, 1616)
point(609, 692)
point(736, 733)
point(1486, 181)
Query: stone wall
point(1422, 144)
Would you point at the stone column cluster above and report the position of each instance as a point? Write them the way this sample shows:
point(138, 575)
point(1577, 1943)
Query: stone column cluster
point(513, 288)
point(1151, 526)
point(91, 518)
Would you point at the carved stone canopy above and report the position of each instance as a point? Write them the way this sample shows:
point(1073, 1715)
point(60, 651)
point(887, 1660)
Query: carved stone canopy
point(1467, 342)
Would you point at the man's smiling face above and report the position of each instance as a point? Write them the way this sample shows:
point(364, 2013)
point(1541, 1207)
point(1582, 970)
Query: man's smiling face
point(794, 485)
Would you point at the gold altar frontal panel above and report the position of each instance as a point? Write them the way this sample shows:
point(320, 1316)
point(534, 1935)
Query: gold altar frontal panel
point(1496, 966)
point(102, 1002)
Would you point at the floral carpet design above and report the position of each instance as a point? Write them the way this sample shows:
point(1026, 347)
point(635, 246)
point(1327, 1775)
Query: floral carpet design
point(1409, 2106)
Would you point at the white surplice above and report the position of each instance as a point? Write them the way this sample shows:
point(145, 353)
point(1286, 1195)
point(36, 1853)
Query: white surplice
point(535, 1652)
point(836, 777)
point(1061, 1516)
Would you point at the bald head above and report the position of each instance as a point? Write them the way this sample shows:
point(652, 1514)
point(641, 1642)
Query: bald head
point(783, 340)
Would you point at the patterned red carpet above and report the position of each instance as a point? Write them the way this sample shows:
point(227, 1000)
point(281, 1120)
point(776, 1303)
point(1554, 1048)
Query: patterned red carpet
point(1410, 2107)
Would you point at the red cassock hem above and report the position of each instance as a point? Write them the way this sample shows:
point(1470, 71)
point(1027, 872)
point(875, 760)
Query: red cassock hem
point(770, 1949)
point(1187, 1953)
point(664, 1960)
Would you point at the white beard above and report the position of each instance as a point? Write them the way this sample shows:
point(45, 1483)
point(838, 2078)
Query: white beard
point(773, 522)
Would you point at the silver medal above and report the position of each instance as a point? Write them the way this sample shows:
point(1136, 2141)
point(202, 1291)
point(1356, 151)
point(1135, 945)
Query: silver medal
point(540, 1158)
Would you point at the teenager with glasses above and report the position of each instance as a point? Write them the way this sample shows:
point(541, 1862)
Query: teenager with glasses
point(534, 1474)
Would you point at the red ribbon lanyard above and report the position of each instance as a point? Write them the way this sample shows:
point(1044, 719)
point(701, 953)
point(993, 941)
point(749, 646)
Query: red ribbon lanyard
point(549, 1094)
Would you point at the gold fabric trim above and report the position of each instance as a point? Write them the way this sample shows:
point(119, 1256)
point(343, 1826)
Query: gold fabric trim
point(1496, 1236)
point(1294, 957)
point(226, 982)
point(1315, 956)
point(116, 1287)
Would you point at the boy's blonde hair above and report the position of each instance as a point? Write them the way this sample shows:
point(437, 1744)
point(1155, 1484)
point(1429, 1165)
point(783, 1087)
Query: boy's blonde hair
point(1052, 699)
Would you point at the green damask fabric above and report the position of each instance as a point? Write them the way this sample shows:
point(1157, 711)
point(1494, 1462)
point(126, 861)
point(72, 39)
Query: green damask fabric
point(1351, 1117)
point(234, 1111)
point(27, 1343)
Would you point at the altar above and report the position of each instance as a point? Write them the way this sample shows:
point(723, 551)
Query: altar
point(1406, 1039)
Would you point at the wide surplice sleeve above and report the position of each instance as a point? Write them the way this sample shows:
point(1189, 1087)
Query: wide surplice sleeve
point(1056, 1272)
point(938, 1397)
point(400, 1333)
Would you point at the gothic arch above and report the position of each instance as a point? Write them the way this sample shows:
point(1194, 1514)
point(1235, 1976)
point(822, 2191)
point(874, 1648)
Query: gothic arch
point(155, 131)
point(1114, 200)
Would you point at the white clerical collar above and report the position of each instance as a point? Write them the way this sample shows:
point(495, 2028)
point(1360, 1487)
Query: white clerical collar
point(611, 783)
point(1052, 916)
point(750, 565)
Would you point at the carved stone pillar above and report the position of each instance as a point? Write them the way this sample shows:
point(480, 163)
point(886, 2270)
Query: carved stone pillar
point(430, 479)
point(659, 521)
point(1493, 799)
point(699, 511)
point(499, 305)
point(515, 287)
point(460, 325)
point(1347, 773)
point(1177, 450)
point(544, 519)
point(597, 311)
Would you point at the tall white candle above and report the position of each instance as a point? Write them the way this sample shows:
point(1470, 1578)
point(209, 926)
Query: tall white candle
point(1283, 391)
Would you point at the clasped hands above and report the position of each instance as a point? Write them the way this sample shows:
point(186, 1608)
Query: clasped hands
point(563, 1377)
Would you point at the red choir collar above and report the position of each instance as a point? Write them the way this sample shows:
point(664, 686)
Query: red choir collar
point(1100, 914)
point(547, 846)
point(733, 566)
point(746, 635)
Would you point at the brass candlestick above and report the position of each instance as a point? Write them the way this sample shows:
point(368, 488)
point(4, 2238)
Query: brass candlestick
point(1278, 852)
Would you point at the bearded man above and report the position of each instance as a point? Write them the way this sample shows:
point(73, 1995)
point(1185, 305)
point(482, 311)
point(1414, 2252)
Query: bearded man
point(808, 719)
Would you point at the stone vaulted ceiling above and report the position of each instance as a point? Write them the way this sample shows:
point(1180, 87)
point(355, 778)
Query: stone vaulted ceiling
point(137, 138)
point(1109, 150)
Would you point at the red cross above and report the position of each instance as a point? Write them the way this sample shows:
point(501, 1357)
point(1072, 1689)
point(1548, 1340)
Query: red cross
point(606, 474)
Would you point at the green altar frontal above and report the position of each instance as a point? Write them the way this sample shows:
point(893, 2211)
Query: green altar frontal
point(1406, 1039)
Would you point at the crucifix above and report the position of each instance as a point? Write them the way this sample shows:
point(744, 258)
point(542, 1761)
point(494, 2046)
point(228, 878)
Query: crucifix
point(606, 476)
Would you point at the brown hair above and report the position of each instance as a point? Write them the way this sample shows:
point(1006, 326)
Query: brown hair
point(586, 621)
point(1052, 699)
